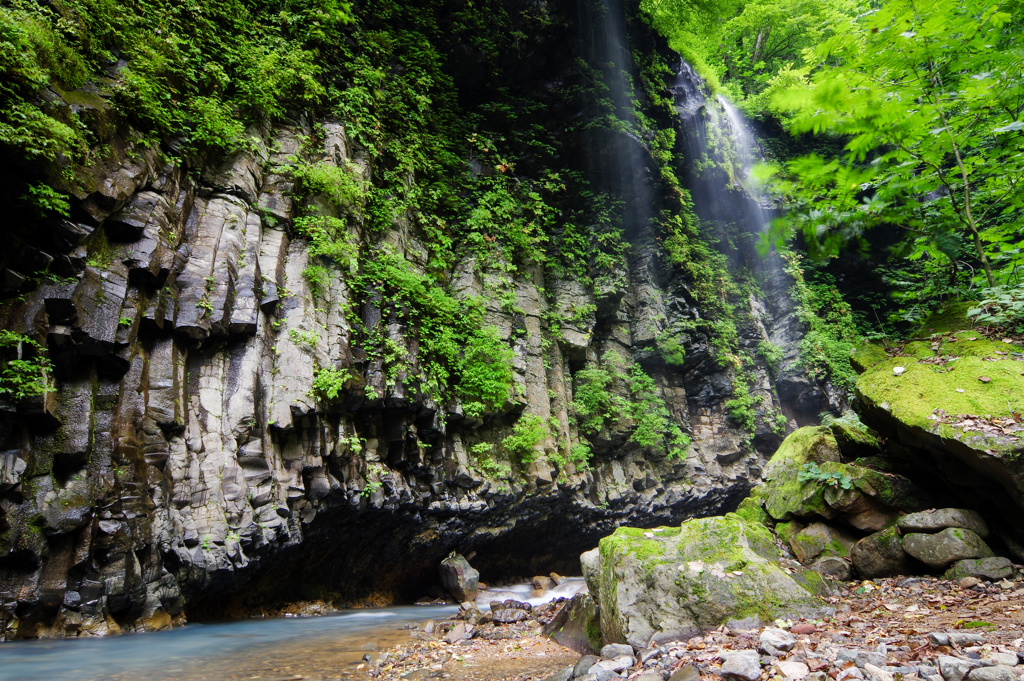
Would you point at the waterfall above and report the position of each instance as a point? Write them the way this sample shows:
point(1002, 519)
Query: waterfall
point(721, 151)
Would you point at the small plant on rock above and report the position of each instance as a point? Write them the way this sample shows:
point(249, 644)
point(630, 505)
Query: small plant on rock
point(811, 471)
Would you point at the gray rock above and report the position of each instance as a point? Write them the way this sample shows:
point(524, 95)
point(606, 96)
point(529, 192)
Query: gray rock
point(510, 611)
point(614, 650)
point(584, 664)
point(616, 664)
point(599, 674)
point(954, 668)
point(881, 555)
point(577, 625)
point(939, 519)
point(1004, 659)
point(937, 638)
point(459, 578)
point(686, 673)
point(865, 658)
point(644, 655)
point(961, 639)
point(995, 673)
point(773, 641)
point(990, 569)
point(832, 566)
point(643, 598)
point(946, 547)
point(744, 665)
point(564, 674)
point(651, 676)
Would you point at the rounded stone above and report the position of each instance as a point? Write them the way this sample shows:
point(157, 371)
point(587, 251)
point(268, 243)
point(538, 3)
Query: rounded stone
point(989, 569)
point(944, 548)
point(942, 518)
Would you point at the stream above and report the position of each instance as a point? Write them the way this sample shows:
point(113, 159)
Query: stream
point(264, 649)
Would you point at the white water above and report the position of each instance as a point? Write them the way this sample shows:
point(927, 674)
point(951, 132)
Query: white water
point(569, 587)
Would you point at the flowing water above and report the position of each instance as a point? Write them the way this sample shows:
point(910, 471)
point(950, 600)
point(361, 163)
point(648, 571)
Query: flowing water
point(280, 648)
point(721, 151)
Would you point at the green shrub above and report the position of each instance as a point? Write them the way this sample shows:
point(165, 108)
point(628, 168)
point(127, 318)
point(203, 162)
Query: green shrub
point(24, 368)
point(329, 383)
point(527, 433)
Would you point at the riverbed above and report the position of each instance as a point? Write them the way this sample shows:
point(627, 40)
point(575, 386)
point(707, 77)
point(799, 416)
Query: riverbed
point(264, 649)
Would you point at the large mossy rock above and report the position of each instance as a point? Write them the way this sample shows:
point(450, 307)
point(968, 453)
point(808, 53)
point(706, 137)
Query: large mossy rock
point(872, 494)
point(652, 585)
point(920, 408)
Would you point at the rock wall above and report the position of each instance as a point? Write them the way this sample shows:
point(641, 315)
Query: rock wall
point(183, 463)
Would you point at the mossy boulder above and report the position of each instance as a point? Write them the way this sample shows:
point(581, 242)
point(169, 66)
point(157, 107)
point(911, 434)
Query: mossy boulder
point(920, 410)
point(951, 318)
point(577, 625)
point(853, 437)
point(752, 510)
point(881, 555)
point(785, 495)
point(676, 582)
point(867, 355)
point(942, 549)
point(817, 539)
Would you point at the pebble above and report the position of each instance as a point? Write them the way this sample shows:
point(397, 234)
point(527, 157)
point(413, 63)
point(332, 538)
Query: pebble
point(744, 665)
point(774, 641)
point(955, 668)
point(792, 669)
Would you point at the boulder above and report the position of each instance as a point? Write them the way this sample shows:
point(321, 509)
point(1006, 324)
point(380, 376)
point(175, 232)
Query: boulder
point(679, 581)
point(785, 495)
point(989, 569)
point(935, 520)
point(459, 578)
point(868, 497)
point(832, 566)
point(924, 411)
point(881, 555)
point(817, 539)
point(577, 626)
point(944, 548)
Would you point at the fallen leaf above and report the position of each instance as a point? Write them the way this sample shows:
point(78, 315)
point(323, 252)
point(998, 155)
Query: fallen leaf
point(898, 370)
point(984, 379)
point(959, 390)
point(1007, 340)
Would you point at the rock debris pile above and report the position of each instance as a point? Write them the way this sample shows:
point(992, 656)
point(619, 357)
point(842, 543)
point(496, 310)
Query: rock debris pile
point(909, 628)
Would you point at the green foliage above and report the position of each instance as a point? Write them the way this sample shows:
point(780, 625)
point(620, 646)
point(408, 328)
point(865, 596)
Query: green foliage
point(771, 354)
point(1001, 306)
point(329, 383)
point(300, 337)
point(741, 46)
point(595, 406)
point(811, 471)
point(743, 410)
point(23, 367)
point(527, 434)
point(831, 332)
point(929, 97)
point(340, 185)
point(671, 348)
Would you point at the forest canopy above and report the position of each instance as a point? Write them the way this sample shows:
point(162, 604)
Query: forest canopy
point(913, 110)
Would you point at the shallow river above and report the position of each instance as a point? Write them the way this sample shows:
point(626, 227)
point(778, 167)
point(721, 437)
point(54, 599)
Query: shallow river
point(272, 648)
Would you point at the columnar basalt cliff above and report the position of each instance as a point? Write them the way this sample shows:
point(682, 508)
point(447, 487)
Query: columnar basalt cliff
point(238, 418)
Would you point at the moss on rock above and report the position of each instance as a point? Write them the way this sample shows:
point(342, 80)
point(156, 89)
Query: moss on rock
point(786, 496)
point(706, 572)
point(911, 398)
point(866, 355)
